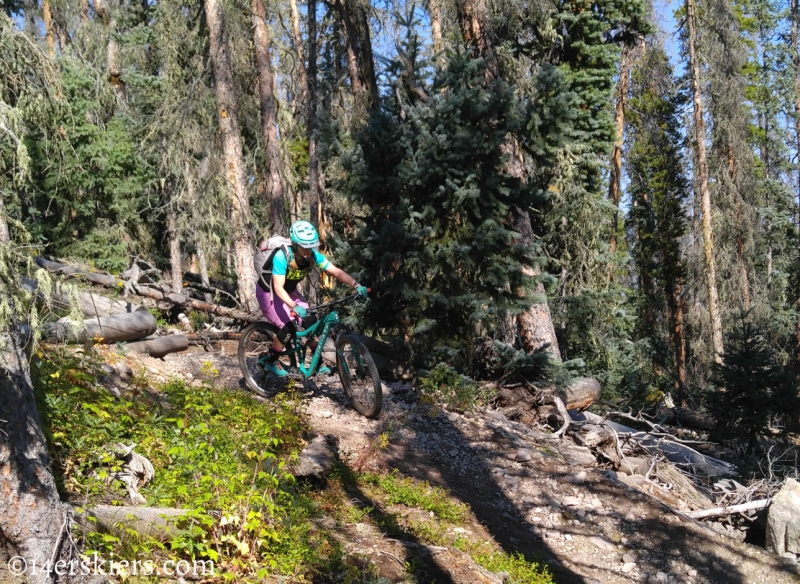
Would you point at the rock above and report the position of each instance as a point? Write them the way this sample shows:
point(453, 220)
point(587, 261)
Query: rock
point(783, 520)
point(629, 557)
point(662, 577)
point(579, 478)
point(123, 369)
point(571, 502)
point(325, 414)
point(602, 543)
point(522, 455)
point(316, 459)
point(628, 567)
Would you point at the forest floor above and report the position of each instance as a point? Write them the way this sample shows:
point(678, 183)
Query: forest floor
point(556, 508)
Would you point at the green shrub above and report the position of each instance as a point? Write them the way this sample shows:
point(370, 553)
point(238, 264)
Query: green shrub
point(443, 384)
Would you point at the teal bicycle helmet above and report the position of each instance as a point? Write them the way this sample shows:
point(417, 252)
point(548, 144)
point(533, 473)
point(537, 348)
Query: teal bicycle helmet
point(303, 234)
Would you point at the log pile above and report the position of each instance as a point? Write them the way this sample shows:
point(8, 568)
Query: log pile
point(650, 458)
point(113, 319)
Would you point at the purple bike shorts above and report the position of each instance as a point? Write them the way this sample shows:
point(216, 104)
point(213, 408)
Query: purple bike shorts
point(277, 312)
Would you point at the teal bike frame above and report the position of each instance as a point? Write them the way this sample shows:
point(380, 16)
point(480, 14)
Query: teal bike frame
point(320, 329)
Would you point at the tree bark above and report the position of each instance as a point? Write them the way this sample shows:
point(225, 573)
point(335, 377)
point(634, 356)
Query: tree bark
point(112, 49)
point(616, 154)
point(434, 8)
point(160, 346)
point(49, 30)
point(5, 236)
point(176, 269)
point(93, 304)
point(298, 48)
point(701, 183)
point(32, 519)
point(269, 116)
point(105, 329)
point(676, 314)
point(316, 188)
point(233, 159)
point(358, 44)
point(796, 65)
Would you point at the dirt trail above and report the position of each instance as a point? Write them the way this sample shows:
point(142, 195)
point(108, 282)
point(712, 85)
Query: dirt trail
point(529, 493)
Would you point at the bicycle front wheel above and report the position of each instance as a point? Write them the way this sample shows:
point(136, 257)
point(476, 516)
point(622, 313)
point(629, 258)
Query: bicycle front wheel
point(359, 375)
point(254, 346)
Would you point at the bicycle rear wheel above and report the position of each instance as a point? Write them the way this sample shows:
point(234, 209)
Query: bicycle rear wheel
point(254, 345)
point(359, 376)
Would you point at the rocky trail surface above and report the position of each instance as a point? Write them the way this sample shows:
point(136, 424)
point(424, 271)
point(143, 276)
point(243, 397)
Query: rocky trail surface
point(544, 498)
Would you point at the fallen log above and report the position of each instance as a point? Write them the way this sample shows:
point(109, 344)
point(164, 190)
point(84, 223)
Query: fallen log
point(159, 346)
point(579, 395)
point(146, 292)
point(679, 454)
point(158, 522)
point(106, 329)
point(685, 418)
point(723, 511)
point(65, 270)
point(92, 304)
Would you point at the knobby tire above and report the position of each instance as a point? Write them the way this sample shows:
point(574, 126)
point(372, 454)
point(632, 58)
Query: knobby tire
point(255, 342)
point(359, 375)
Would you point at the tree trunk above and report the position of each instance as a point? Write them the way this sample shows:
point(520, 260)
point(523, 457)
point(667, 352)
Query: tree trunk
point(701, 184)
point(298, 48)
point(472, 16)
point(616, 154)
point(160, 346)
point(203, 266)
point(233, 159)
point(269, 117)
point(93, 304)
point(358, 44)
point(796, 64)
point(675, 305)
point(316, 189)
point(32, 520)
point(176, 269)
point(106, 329)
point(49, 30)
point(112, 49)
point(434, 8)
point(5, 236)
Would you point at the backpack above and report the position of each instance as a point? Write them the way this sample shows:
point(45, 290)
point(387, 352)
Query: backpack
point(263, 258)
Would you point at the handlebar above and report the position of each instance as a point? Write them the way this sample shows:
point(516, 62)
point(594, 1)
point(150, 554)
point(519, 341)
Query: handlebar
point(319, 307)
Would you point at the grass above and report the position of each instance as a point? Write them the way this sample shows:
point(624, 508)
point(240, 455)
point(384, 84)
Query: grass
point(222, 450)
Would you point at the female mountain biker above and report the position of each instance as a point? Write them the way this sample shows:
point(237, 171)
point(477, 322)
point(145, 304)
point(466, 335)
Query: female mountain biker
point(283, 305)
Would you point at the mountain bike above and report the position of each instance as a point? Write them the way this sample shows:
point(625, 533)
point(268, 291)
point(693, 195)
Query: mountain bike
point(357, 370)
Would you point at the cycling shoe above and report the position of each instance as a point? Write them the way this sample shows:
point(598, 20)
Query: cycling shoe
point(275, 369)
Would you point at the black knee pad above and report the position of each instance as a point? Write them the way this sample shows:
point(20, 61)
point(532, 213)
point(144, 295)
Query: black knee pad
point(287, 333)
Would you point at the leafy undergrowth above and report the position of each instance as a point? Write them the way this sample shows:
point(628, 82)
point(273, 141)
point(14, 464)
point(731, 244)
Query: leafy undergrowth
point(223, 456)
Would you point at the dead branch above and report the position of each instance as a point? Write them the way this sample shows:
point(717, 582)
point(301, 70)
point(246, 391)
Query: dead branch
point(725, 511)
point(564, 414)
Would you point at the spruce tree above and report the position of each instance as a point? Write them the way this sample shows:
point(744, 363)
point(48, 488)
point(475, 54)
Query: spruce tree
point(658, 190)
point(435, 198)
point(754, 389)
